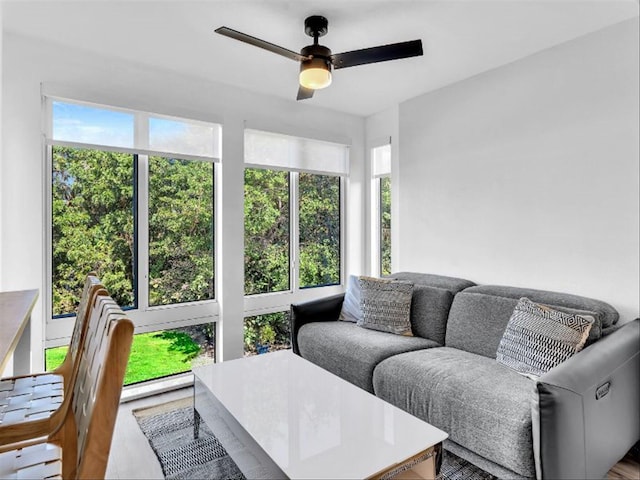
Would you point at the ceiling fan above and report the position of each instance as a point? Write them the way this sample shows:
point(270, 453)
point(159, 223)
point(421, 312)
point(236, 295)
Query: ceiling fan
point(316, 61)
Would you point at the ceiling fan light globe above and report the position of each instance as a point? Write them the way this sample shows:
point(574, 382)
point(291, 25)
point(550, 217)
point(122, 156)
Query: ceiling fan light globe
point(316, 72)
point(315, 78)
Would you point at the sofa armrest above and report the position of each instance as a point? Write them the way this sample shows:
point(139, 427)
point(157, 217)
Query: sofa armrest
point(321, 310)
point(586, 415)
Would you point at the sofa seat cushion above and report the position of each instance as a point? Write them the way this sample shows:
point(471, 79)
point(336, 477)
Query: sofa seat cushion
point(352, 352)
point(482, 405)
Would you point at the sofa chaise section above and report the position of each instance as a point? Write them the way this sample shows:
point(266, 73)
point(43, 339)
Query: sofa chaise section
point(555, 427)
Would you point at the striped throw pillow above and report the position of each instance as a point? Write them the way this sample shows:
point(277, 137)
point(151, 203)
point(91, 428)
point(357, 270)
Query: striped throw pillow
point(538, 338)
point(385, 305)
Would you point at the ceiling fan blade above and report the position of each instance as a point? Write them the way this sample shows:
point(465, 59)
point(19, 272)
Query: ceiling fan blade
point(304, 93)
point(382, 53)
point(256, 42)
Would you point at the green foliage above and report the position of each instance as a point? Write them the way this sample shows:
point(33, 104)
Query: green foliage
point(319, 230)
point(53, 357)
point(267, 335)
point(385, 225)
point(158, 354)
point(266, 230)
point(93, 226)
point(153, 355)
point(180, 231)
point(94, 229)
point(272, 328)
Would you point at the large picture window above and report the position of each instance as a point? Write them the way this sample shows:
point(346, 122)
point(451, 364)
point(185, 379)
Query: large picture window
point(132, 199)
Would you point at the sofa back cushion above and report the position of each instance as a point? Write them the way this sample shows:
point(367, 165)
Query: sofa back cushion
point(431, 301)
point(479, 315)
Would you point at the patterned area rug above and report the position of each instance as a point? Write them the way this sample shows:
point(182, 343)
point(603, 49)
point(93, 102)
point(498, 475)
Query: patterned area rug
point(169, 429)
point(456, 468)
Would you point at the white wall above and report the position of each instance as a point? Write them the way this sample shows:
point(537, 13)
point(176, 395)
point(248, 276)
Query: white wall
point(528, 174)
point(29, 62)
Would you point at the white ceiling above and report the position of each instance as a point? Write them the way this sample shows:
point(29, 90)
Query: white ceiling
point(460, 38)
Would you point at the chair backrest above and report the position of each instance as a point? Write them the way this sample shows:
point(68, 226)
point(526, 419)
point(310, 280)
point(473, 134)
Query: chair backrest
point(88, 430)
point(69, 367)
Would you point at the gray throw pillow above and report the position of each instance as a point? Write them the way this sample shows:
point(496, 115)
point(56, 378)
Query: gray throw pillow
point(351, 311)
point(386, 305)
point(538, 338)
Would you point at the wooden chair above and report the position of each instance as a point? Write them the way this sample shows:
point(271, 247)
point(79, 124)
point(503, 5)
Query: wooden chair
point(35, 405)
point(79, 448)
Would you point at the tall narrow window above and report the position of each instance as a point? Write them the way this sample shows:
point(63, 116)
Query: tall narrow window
point(266, 231)
point(385, 225)
point(319, 230)
point(93, 224)
point(381, 163)
point(180, 230)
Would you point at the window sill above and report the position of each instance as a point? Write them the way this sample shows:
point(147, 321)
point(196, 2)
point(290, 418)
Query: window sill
point(156, 387)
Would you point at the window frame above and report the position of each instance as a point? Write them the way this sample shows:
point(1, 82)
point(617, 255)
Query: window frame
point(380, 232)
point(375, 205)
point(272, 302)
point(144, 317)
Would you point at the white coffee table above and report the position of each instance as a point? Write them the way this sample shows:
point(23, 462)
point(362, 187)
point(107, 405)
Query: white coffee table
point(301, 421)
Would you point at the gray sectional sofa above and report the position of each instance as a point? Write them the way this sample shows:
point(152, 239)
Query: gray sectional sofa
point(576, 421)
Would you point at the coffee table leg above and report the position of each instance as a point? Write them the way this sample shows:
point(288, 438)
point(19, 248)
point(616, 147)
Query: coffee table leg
point(424, 466)
point(430, 468)
point(196, 424)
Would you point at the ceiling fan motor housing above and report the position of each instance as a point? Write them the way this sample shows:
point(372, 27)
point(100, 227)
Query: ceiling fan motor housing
point(316, 51)
point(320, 56)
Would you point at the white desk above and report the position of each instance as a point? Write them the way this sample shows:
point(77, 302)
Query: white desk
point(311, 423)
point(15, 329)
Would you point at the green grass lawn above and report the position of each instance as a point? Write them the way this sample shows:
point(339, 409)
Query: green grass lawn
point(153, 355)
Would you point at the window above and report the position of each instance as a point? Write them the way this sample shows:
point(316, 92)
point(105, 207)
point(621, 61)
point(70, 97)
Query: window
point(267, 245)
point(159, 354)
point(319, 205)
point(132, 199)
point(93, 224)
point(381, 163)
point(293, 205)
point(180, 231)
point(266, 332)
point(385, 225)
